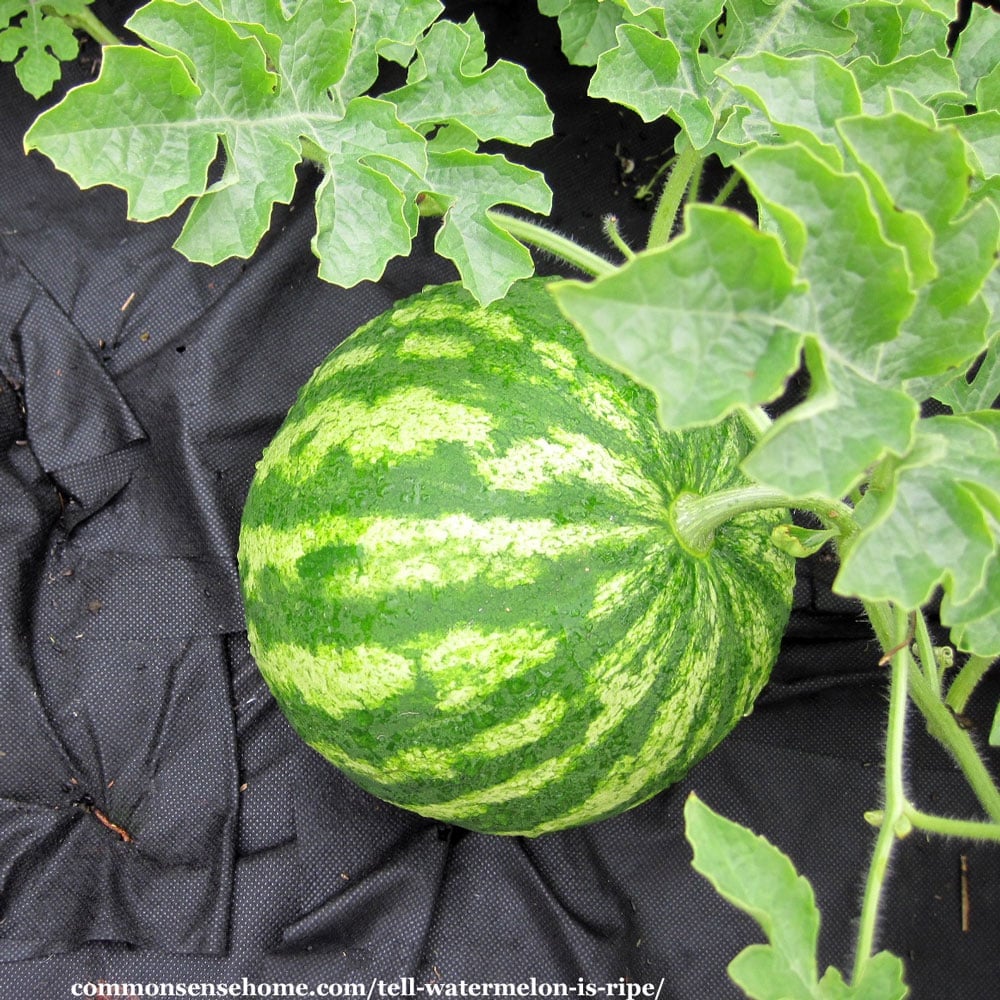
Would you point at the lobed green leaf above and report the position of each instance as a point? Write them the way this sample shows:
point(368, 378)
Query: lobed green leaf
point(488, 259)
point(270, 85)
point(977, 57)
point(927, 77)
point(976, 389)
point(789, 27)
point(587, 27)
point(859, 288)
point(825, 445)
point(761, 881)
point(802, 97)
point(158, 167)
point(713, 309)
point(388, 30)
point(936, 524)
point(881, 979)
point(374, 166)
point(650, 75)
point(757, 878)
point(37, 39)
point(448, 83)
point(975, 623)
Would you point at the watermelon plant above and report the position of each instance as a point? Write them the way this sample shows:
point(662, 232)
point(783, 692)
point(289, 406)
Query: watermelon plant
point(543, 483)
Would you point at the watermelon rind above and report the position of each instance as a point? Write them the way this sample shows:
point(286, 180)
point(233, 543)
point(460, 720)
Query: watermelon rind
point(461, 581)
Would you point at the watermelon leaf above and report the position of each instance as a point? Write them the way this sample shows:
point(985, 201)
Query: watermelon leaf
point(757, 878)
point(977, 58)
point(761, 881)
point(271, 87)
point(470, 183)
point(587, 27)
point(936, 523)
point(718, 308)
point(36, 39)
point(448, 82)
point(646, 72)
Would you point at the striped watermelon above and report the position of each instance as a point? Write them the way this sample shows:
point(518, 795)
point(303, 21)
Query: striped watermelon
point(460, 580)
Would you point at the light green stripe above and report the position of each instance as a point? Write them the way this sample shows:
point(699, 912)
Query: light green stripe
point(616, 413)
point(410, 422)
point(341, 680)
point(467, 665)
point(527, 782)
point(609, 593)
point(349, 355)
point(558, 358)
point(427, 312)
point(564, 456)
point(429, 346)
point(401, 553)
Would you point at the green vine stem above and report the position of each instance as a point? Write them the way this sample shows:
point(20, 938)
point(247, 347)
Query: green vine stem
point(559, 246)
point(961, 688)
point(695, 517)
point(611, 230)
point(687, 164)
point(945, 826)
point(893, 628)
point(645, 191)
point(943, 726)
point(727, 189)
point(941, 722)
point(927, 658)
point(85, 20)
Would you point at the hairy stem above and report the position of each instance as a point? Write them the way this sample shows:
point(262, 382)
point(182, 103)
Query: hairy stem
point(611, 230)
point(892, 628)
point(86, 20)
point(646, 190)
point(943, 726)
point(927, 658)
point(965, 682)
point(945, 826)
point(559, 246)
point(727, 189)
point(668, 207)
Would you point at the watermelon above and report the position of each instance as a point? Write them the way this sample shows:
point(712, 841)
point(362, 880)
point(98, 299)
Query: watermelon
point(461, 581)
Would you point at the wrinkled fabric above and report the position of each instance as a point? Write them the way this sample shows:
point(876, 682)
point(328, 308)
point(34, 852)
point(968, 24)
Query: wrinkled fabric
point(159, 821)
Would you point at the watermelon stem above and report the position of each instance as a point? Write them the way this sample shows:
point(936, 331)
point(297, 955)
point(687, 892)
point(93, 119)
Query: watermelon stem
point(893, 627)
point(86, 20)
point(695, 518)
point(552, 242)
point(945, 728)
point(961, 688)
point(613, 233)
point(685, 173)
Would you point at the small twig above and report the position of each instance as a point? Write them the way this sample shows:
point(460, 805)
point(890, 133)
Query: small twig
point(966, 901)
point(88, 806)
point(905, 644)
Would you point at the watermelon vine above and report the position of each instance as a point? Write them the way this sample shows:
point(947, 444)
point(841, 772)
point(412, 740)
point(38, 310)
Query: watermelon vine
point(864, 253)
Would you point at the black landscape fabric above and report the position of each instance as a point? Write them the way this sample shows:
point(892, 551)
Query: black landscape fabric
point(159, 821)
